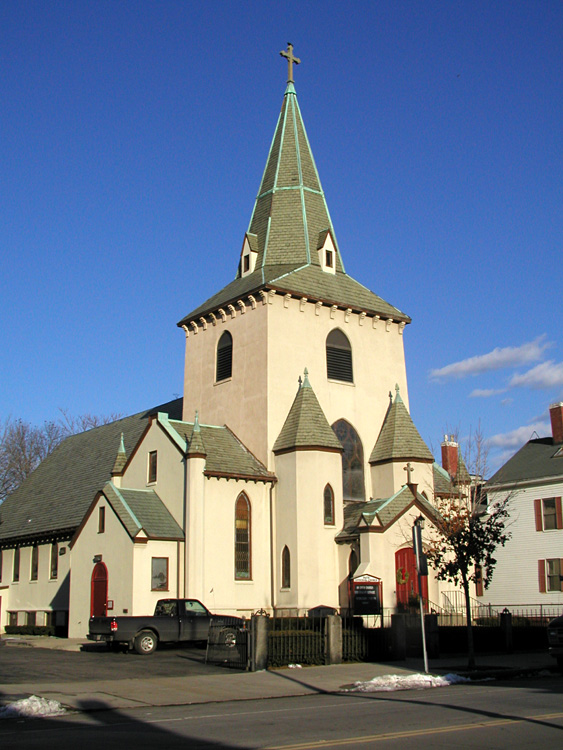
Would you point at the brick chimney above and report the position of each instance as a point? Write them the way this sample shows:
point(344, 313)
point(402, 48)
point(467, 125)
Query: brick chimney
point(450, 455)
point(556, 414)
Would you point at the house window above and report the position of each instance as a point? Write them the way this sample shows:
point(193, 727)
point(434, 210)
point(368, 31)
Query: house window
point(34, 562)
point(242, 539)
point(31, 618)
point(54, 560)
point(352, 461)
point(224, 368)
point(286, 568)
point(101, 519)
point(16, 572)
point(246, 263)
point(152, 466)
point(159, 574)
point(548, 514)
point(549, 573)
point(329, 506)
point(339, 357)
point(12, 618)
point(329, 257)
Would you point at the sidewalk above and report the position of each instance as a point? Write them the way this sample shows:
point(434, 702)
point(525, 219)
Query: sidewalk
point(167, 691)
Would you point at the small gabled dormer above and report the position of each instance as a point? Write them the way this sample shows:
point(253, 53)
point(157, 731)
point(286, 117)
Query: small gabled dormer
point(327, 252)
point(249, 254)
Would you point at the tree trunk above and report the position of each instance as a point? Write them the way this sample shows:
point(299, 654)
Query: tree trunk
point(470, 646)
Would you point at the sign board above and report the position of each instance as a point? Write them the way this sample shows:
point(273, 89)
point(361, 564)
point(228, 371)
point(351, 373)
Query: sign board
point(367, 595)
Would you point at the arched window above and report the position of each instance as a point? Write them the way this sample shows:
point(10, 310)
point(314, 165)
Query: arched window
point(224, 368)
point(242, 539)
point(286, 568)
point(352, 461)
point(338, 357)
point(329, 506)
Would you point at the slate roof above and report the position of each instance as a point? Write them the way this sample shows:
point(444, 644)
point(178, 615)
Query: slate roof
point(54, 498)
point(398, 438)
point(442, 482)
point(142, 510)
point(225, 454)
point(289, 219)
point(306, 425)
point(538, 459)
point(386, 510)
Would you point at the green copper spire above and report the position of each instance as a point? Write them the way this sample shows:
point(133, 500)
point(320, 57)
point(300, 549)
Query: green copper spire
point(290, 212)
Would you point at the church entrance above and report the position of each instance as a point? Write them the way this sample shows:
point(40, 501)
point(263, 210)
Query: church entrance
point(407, 579)
point(99, 595)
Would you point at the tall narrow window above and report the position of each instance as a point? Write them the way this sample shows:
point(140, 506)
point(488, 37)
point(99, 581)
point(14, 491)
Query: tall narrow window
point(286, 568)
point(16, 572)
point(54, 560)
point(339, 357)
point(242, 539)
point(352, 461)
point(224, 357)
point(329, 506)
point(34, 562)
point(553, 570)
point(101, 519)
point(153, 460)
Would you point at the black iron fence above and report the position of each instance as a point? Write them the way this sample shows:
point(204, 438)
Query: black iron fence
point(296, 639)
point(229, 642)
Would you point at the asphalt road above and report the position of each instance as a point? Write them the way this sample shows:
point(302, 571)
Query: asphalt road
point(19, 664)
point(520, 713)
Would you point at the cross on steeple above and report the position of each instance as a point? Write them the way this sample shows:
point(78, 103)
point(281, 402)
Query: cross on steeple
point(290, 60)
point(409, 469)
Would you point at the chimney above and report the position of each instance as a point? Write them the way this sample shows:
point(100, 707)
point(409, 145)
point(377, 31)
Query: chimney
point(556, 414)
point(449, 455)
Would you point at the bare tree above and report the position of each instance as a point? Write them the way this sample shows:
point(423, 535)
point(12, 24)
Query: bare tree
point(469, 531)
point(23, 446)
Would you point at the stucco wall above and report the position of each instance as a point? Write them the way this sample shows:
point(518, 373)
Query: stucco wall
point(43, 595)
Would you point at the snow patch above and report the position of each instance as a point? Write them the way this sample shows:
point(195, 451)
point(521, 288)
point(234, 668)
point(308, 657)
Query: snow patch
point(32, 706)
point(392, 682)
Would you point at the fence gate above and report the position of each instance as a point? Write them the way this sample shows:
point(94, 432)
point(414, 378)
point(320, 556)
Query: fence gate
point(228, 642)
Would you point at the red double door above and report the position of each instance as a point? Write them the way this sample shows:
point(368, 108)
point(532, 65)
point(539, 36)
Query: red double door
point(407, 579)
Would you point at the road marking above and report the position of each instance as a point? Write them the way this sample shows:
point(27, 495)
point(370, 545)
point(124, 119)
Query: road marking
point(412, 733)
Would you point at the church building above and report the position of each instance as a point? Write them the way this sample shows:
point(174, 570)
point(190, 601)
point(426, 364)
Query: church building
point(289, 470)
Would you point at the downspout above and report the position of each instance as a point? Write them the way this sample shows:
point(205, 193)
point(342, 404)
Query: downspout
point(272, 560)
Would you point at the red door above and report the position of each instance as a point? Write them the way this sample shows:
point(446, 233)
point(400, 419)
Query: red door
point(99, 598)
point(407, 579)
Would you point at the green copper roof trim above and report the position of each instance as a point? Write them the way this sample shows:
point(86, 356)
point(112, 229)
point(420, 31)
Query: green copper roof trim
point(331, 225)
point(300, 173)
point(390, 499)
point(163, 420)
point(127, 508)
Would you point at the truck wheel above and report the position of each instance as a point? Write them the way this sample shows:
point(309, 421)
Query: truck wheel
point(228, 638)
point(145, 642)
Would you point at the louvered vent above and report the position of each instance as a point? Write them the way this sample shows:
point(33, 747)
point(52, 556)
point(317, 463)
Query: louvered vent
point(339, 357)
point(224, 357)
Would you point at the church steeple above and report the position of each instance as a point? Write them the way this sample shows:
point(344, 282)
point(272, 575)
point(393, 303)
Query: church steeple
point(290, 213)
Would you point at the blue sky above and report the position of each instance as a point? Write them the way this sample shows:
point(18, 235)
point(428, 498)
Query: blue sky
point(133, 136)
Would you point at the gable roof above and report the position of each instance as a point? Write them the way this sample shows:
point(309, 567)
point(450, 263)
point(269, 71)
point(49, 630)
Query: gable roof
point(225, 455)
point(52, 501)
point(289, 221)
point(537, 460)
point(398, 438)
point(306, 425)
point(385, 511)
point(142, 510)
